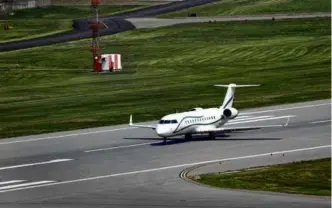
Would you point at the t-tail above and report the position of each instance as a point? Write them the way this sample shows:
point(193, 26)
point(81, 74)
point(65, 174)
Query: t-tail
point(229, 97)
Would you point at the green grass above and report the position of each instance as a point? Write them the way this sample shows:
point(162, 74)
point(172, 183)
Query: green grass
point(251, 7)
point(166, 69)
point(30, 28)
point(37, 22)
point(305, 177)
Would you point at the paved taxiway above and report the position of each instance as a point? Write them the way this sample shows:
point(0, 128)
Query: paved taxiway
point(125, 167)
point(116, 23)
point(150, 22)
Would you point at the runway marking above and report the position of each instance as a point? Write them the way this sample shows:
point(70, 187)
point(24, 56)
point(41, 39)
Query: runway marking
point(9, 182)
point(25, 184)
point(68, 135)
point(34, 164)
point(248, 119)
point(283, 109)
point(118, 147)
point(323, 121)
point(265, 119)
point(165, 168)
point(240, 117)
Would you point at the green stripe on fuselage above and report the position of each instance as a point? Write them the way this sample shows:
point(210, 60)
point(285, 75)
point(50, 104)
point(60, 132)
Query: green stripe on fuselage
point(176, 130)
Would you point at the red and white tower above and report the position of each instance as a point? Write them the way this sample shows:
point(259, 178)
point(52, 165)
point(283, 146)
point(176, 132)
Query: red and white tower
point(94, 24)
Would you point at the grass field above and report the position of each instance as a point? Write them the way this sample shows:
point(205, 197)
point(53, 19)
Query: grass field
point(251, 7)
point(30, 23)
point(305, 177)
point(167, 69)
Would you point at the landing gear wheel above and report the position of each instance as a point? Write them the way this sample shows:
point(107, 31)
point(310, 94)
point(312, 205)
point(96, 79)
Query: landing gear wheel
point(188, 137)
point(165, 140)
point(212, 135)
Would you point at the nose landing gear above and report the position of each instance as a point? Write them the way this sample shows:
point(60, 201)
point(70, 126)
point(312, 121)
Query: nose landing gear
point(165, 140)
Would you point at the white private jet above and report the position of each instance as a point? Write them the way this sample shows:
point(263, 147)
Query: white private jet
point(199, 120)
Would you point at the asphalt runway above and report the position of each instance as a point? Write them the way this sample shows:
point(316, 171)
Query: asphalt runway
point(120, 166)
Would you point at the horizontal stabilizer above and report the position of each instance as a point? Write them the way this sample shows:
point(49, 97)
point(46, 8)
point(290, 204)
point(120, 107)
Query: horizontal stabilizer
point(235, 85)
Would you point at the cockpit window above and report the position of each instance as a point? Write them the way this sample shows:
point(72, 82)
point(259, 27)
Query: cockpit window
point(168, 121)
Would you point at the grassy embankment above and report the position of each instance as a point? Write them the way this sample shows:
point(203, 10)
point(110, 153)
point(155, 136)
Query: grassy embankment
point(45, 89)
point(305, 177)
point(250, 7)
point(37, 22)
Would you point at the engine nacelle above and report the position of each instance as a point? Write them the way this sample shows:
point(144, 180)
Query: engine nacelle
point(230, 113)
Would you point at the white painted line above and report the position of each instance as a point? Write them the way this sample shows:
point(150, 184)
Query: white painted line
point(168, 167)
point(25, 184)
point(264, 119)
point(283, 109)
point(240, 117)
point(34, 164)
point(324, 121)
point(248, 119)
point(119, 147)
point(63, 136)
point(9, 182)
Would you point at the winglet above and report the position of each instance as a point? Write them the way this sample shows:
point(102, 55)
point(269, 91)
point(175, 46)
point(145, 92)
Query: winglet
point(131, 120)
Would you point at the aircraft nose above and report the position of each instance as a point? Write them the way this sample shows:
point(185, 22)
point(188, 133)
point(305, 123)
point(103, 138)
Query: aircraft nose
point(163, 131)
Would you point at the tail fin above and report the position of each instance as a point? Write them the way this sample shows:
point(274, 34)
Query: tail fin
point(229, 97)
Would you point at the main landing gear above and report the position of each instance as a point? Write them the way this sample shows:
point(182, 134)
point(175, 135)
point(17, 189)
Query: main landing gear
point(165, 140)
point(188, 137)
point(212, 135)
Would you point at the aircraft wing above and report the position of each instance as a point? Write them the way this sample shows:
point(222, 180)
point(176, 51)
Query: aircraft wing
point(140, 126)
point(239, 128)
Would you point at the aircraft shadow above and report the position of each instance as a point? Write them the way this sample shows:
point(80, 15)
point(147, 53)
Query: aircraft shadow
point(219, 138)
